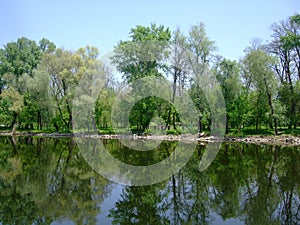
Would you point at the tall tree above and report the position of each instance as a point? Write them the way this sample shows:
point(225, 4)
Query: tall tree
point(285, 45)
point(17, 63)
point(144, 53)
point(178, 71)
point(16, 104)
point(257, 67)
point(200, 55)
point(228, 75)
point(65, 69)
point(19, 57)
point(179, 68)
point(95, 94)
point(143, 56)
point(39, 98)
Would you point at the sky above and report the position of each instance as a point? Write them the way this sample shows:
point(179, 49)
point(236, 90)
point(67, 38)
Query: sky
point(232, 24)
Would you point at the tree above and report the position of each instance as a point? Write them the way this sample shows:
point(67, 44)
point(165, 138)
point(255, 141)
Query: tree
point(143, 56)
point(200, 45)
point(61, 70)
point(103, 107)
point(180, 68)
point(64, 70)
point(228, 75)
point(257, 69)
point(285, 46)
point(39, 102)
point(94, 92)
point(241, 113)
point(200, 54)
point(144, 53)
point(179, 72)
point(18, 60)
point(16, 104)
point(138, 205)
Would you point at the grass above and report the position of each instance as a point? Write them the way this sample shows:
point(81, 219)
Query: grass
point(173, 132)
point(106, 131)
point(251, 131)
point(294, 132)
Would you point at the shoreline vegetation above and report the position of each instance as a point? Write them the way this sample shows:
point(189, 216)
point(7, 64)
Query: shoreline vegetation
point(168, 78)
point(283, 140)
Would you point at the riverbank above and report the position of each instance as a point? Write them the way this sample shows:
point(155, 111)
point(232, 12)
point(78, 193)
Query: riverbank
point(251, 139)
point(284, 140)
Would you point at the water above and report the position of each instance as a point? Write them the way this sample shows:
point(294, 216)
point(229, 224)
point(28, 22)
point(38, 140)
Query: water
point(47, 181)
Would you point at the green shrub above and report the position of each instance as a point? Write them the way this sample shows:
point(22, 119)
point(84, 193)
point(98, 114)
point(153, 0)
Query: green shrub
point(173, 132)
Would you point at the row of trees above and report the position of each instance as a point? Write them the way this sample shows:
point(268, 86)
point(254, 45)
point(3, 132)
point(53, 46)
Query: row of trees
point(38, 80)
point(38, 83)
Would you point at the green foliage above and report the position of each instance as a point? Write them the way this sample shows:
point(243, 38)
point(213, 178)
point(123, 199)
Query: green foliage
point(103, 108)
point(200, 44)
point(251, 131)
point(46, 179)
point(38, 81)
point(63, 70)
point(173, 132)
point(5, 114)
point(285, 46)
point(15, 98)
point(291, 39)
point(225, 189)
point(258, 73)
point(29, 113)
point(228, 74)
point(18, 60)
point(43, 179)
point(144, 53)
point(285, 131)
point(19, 57)
point(143, 56)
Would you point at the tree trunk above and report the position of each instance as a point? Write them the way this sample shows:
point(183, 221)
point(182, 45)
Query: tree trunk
point(272, 108)
point(287, 70)
point(200, 124)
point(257, 118)
point(14, 128)
point(94, 124)
point(168, 120)
point(14, 124)
point(227, 124)
point(70, 123)
point(174, 121)
point(40, 126)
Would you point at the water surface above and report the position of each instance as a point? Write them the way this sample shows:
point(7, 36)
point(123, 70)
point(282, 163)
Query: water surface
point(47, 181)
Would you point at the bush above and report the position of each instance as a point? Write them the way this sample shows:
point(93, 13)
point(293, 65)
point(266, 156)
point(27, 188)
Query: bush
point(147, 132)
point(173, 132)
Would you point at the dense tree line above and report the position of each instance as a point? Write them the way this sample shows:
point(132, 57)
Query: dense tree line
point(262, 89)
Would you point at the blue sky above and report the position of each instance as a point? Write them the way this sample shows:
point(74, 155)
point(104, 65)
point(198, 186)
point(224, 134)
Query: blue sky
point(73, 24)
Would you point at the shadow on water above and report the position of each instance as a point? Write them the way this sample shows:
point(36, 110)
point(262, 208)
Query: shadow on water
point(47, 181)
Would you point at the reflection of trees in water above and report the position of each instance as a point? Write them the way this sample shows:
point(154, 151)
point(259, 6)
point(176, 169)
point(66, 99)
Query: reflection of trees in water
point(44, 179)
point(53, 182)
point(252, 183)
point(139, 205)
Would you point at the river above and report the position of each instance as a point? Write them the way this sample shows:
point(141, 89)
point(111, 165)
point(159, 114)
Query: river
point(46, 180)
